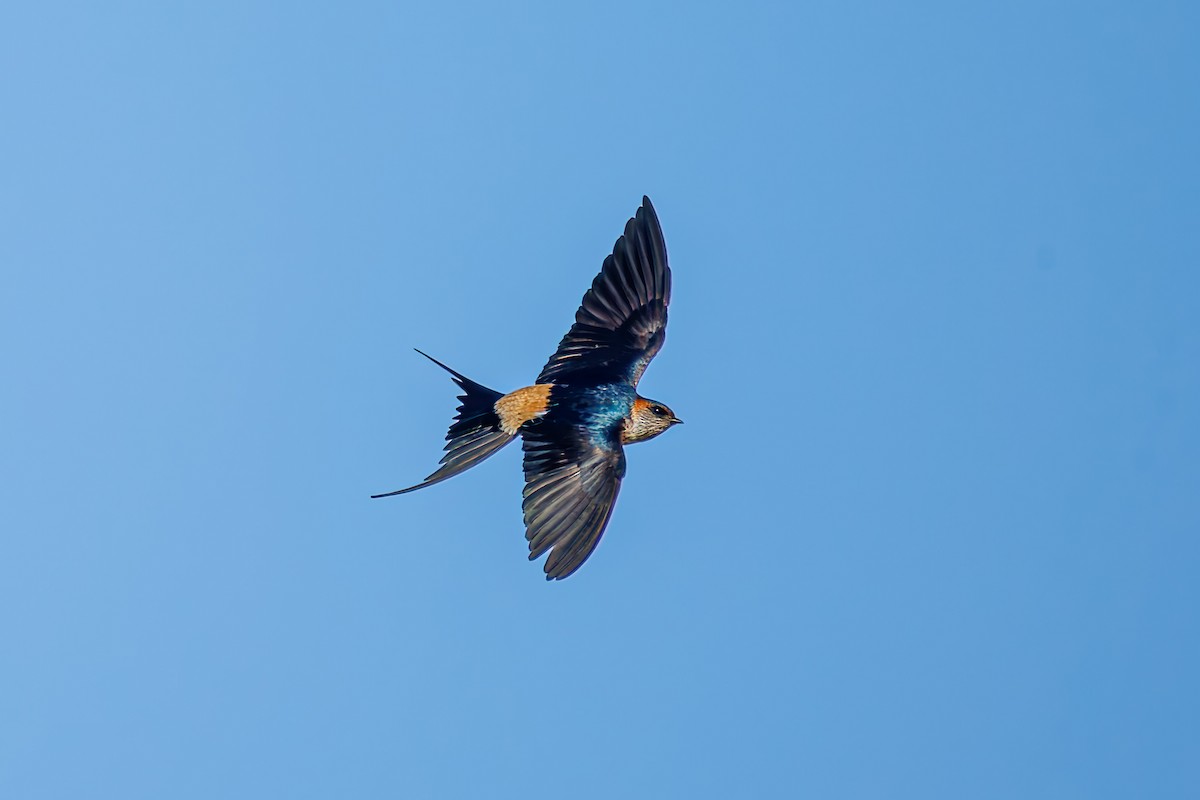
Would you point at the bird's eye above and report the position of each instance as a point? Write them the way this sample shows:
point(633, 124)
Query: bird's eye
point(659, 410)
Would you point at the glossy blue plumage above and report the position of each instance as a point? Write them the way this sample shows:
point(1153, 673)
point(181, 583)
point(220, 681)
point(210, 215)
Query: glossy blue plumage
point(601, 410)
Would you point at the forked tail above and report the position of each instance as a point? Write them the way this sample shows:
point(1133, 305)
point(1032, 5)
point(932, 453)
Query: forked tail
point(474, 435)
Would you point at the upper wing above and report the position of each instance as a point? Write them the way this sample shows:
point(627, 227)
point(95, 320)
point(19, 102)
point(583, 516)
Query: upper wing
point(571, 482)
point(622, 322)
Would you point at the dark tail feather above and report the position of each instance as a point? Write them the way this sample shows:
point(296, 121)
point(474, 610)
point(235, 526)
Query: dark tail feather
point(474, 435)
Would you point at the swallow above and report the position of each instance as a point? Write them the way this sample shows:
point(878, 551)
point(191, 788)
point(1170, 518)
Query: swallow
point(577, 417)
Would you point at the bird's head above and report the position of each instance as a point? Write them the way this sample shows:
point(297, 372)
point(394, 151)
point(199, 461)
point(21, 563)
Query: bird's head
point(648, 419)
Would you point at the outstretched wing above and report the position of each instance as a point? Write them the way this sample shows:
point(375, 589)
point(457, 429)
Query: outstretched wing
point(572, 477)
point(622, 322)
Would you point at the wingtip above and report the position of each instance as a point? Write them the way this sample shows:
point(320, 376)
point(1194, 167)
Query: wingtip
point(647, 214)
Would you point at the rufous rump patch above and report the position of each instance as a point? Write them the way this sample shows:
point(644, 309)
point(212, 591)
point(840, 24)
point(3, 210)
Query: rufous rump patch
point(517, 408)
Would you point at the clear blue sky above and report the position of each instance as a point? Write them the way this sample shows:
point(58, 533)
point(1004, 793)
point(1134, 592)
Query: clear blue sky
point(932, 529)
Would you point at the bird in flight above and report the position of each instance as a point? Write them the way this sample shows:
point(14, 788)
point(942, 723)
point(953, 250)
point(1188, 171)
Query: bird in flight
point(576, 419)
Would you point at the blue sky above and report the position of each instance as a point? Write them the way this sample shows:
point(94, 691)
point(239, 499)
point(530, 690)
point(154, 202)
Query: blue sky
point(931, 528)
